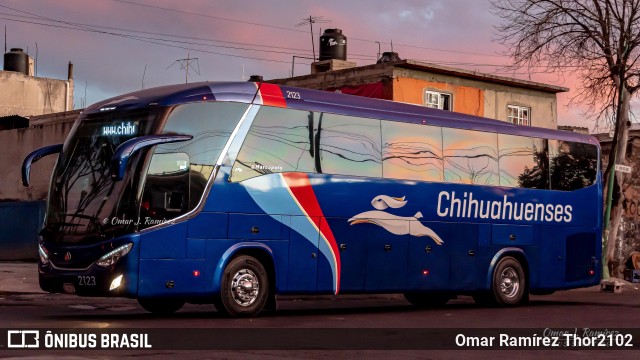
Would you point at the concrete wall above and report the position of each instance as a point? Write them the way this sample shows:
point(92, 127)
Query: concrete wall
point(26, 95)
point(476, 97)
point(18, 143)
point(628, 240)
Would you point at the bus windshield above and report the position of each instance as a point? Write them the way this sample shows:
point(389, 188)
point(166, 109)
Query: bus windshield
point(86, 205)
point(83, 198)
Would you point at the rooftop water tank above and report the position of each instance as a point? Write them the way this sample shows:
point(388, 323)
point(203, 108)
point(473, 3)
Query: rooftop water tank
point(16, 60)
point(333, 45)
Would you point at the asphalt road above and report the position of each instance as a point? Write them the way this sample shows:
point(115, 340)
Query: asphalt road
point(583, 308)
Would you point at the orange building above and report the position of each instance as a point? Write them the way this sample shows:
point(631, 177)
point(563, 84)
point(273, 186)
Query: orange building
point(519, 101)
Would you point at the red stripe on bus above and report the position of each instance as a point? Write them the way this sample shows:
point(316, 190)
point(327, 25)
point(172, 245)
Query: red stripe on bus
point(301, 188)
point(272, 95)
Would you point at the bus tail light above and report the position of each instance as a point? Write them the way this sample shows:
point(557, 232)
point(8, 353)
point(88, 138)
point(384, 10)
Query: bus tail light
point(44, 257)
point(112, 257)
point(592, 266)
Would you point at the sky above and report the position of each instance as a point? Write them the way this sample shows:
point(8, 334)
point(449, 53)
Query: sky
point(118, 46)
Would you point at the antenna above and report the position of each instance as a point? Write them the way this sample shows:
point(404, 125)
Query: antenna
point(391, 45)
point(378, 42)
point(35, 66)
point(312, 20)
point(184, 65)
point(143, 74)
point(5, 39)
point(83, 101)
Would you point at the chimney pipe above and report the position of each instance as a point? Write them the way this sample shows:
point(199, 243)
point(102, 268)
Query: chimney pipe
point(70, 71)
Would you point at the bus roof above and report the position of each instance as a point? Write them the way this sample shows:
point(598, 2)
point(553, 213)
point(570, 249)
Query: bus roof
point(317, 100)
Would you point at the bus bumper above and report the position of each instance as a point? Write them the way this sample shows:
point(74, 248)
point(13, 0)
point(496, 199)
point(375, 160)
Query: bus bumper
point(119, 279)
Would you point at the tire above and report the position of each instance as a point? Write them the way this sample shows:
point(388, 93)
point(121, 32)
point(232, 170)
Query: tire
point(508, 286)
point(235, 300)
point(423, 300)
point(161, 306)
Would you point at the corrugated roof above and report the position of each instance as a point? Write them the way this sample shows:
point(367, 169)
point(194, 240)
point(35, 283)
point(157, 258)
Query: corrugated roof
point(13, 122)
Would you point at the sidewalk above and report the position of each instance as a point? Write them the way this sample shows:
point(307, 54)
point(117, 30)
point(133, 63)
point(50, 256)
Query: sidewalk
point(19, 277)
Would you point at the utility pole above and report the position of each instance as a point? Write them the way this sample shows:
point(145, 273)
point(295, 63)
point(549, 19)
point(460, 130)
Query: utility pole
point(184, 65)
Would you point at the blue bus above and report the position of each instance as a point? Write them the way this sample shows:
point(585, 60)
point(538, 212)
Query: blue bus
point(233, 193)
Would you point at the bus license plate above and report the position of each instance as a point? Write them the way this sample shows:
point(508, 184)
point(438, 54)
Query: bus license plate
point(86, 280)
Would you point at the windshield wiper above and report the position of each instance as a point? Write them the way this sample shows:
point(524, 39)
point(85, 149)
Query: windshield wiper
point(92, 219)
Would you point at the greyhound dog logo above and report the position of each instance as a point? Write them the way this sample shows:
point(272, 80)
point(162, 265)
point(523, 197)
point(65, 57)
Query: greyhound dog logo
point(397, 225)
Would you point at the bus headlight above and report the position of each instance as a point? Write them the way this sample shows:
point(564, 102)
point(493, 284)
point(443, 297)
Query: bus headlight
point(44, 257)
point(112, 257)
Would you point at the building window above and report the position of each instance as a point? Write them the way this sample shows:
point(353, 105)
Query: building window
point(519, 115)
point(437, 100)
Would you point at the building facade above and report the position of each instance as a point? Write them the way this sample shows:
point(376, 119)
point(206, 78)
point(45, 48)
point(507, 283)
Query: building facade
point(24, 94)
point(518, 101)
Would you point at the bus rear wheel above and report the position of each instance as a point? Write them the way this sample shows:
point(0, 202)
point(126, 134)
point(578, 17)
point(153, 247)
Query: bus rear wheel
point(161, 306)
point(508, 287)
point(423, 300)
point(244, 288)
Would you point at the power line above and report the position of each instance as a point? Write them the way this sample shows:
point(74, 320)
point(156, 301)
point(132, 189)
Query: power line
point(79, 28)
point(160, 41)
point(206, 15)
point(295, 30)
point(156, 42)
point(93, 28)
point(260, 47)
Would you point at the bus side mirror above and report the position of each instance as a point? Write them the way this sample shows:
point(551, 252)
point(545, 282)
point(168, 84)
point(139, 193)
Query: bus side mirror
point(124, 152)
point(35, 156)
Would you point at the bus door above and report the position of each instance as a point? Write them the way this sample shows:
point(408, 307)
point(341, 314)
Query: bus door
point(167, 258)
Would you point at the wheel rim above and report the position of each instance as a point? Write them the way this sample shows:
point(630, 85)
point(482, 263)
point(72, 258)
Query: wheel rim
point(245, 287)
point(509, 282)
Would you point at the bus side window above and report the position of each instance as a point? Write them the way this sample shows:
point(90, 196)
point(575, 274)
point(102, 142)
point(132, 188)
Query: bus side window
point(523, 162)
point(470, 157)
point(349, 146)
point(573, 165)
point(187, 166)
point(280, 140)
point(412, 152)
point(166, 193)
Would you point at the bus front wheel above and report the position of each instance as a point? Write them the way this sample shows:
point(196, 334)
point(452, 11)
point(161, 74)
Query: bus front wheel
point(244, 288)
point(509, 285)
point(161, 306)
